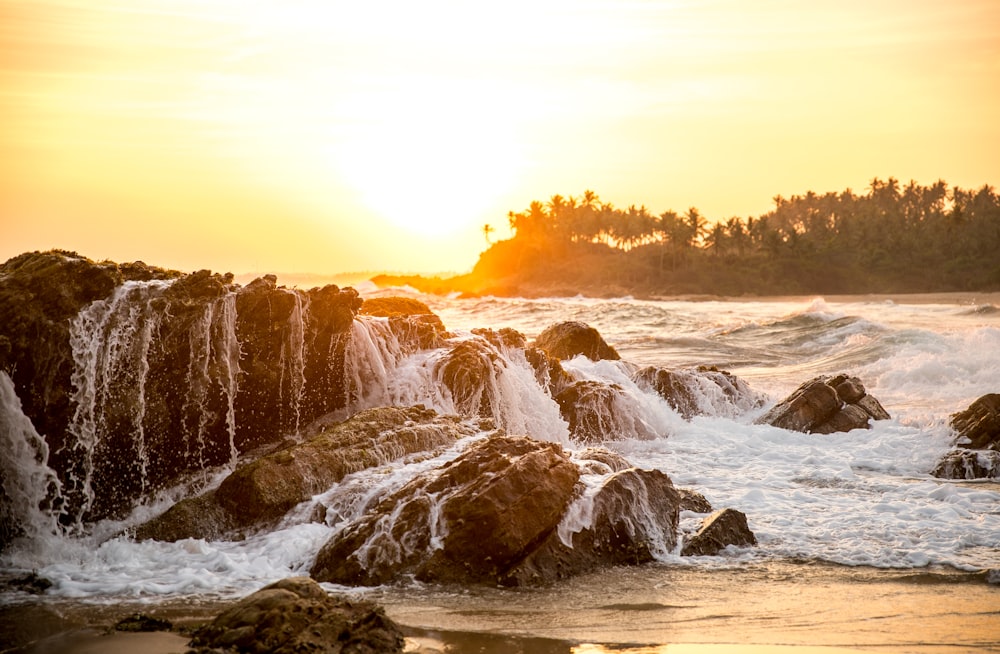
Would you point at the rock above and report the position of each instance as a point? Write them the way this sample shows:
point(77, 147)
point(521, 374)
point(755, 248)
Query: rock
point(138, 376)
point(968, 464)
point(140, 622)
point(694, 501)
point(599, 412)
point(718, 531)
point(469, 371)
point(825, 405)
point(566, 340)
point(262, 491)
point(410, 320)
point(699, 391)
point(631, 519)
point(296, 615)
point(978, 427)
point(471, 520)
point(600, 461)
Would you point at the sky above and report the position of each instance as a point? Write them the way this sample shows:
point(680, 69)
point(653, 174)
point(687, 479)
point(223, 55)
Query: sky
point(326, 136)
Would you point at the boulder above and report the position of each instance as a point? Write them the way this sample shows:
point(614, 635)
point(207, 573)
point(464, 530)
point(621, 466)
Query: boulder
point(825, 405)
point(599, 412)
point(978, 427)
point(718, 531)
point(566, 340)
point(262, 491)
point(138, 376)
point(411, 320)
point(469, 371)
point(694, 501)
point(296, 615)
point(469, 521)
point(977, 437)
point(630, 519)
point(698, 391)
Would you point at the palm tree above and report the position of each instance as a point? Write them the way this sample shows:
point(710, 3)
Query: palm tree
point(487, 230)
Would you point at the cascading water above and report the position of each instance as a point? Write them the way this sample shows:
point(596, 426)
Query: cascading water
point(293, 357)
point(31, 489)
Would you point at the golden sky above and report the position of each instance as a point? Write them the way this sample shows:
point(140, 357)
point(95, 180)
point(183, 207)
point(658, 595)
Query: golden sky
point(329, 136)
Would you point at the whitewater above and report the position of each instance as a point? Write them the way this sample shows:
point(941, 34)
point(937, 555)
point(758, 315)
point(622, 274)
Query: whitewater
point(863, 499)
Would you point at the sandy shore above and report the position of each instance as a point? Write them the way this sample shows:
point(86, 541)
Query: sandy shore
point(789, 607)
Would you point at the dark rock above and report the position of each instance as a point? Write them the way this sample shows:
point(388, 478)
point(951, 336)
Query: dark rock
point(566, 340)
point(264, 490)
point(30, 583)
point(978, 427)
point(632, 518)
point(719, 530)
point(817, 407)
point(548, 370)
point(968, 464)
point(140, 622)
point(296, 615)
point(493, 504)
point(687, 391)
point(694, 501)
point(598, 412)
point(469, 371)
point(410, 320)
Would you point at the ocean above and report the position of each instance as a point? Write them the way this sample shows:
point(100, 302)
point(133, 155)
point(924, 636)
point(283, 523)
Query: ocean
point(858, 545)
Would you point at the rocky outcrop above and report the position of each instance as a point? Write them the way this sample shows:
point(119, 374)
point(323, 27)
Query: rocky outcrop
point(825, 405)
point(467, 371)
point(718, 531)
point(137, 375)
point(597, 412)
point(509, 510)
point(296, 615)
point(977, 437)
point(566, 340)
point(261, 492)
point(411, 320)
point(699, 391)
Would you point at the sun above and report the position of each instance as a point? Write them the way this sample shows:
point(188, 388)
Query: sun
point(431, 158)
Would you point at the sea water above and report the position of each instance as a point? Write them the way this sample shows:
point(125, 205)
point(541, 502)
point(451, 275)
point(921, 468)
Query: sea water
point(863, 499)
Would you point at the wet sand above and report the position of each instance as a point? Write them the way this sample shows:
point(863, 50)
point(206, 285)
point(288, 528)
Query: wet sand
point(795, 608)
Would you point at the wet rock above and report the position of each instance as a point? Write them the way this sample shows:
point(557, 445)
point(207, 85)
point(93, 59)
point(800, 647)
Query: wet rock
point(600, 460)
point(599, 412)
point(699, 391)
point(566, 340)
point(968, 464)
point(694, 501)
point(978, 427)
point(825, 405)
point(262, 491)
point(201, 368)
point(471, 520)
point(718, 531)
point(296, 615)
point(140, 622)
point(469, 371)
point(977, 435)
point(411, 320)
point(631, 519)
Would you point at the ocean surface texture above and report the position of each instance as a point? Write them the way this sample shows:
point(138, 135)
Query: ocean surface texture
point(858, 511)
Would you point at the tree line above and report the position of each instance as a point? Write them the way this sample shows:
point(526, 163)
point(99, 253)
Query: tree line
point(892, 238)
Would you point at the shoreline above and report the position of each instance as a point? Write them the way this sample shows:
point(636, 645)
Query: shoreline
point(787, 606)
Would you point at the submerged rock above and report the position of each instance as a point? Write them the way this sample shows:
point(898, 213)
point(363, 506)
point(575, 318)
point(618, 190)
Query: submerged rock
point(825, 405)
point(262, 491)
point(977, 435)
point(566, 340)
point(296, 615)
point(699, 391)
point(718, 531)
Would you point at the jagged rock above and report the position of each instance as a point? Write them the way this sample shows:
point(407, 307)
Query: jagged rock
point(968, 464)
point(694, 501)
point(978, 427)
point(598, 412)
point(977, 437)
point(467, 371)
point(631, 519)
point(719, 530)
point(600, 460)
point(264, 490)
point(488, 509)
point(411, 320)
point(566, 340)
point(689, 392)
point(140, 622)
point(199, 367)
point(548, 370)
point(505, 337)
point(296, 615)
point(825, 405)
